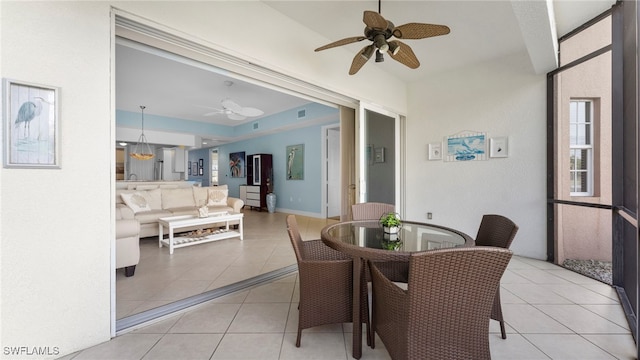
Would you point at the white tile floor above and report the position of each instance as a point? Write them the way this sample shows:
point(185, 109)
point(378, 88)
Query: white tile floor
point(551, 313)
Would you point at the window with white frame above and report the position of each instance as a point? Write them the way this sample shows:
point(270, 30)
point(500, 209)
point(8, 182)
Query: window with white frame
point(581, 147)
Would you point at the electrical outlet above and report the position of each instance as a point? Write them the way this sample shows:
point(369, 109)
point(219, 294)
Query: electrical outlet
point(429, 216)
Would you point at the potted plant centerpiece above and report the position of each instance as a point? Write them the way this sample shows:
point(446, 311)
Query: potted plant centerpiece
point(390, 223)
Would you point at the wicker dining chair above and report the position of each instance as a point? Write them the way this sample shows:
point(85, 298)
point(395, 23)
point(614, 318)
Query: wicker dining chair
point(444, 313)
point(498, 231)
point(326, 283)
point(371, 210)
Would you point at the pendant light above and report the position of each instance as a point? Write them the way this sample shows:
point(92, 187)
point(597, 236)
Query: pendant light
point(142, 151)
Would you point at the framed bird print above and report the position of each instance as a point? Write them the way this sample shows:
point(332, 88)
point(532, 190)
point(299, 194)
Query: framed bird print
point(31, 125)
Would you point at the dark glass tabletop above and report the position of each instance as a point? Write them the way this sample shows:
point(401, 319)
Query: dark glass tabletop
point(413, 236)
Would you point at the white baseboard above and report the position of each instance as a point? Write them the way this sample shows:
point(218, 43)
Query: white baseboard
point(301, 213)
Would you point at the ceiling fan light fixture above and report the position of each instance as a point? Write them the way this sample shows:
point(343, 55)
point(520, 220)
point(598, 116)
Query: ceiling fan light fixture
point(379, 56)
point(394, 48)
point(381, 43)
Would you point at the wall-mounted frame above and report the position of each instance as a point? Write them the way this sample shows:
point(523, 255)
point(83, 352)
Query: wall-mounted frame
point(467, 146)
point(499, 147)
point(200, 163)
point(31, 125)
point(378, 154)
point(194, 168)
point(435, 151)
point(369, 154)
point(295, 162)
point(200, 171)
point(237, 164)
point(189, 167)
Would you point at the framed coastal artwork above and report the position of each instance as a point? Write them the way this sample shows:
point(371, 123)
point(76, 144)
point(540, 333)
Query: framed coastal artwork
point(31, 125)
point(466, 146)
point(435, 151)
point(499, 147)
point(295, 162)
point(236, 164)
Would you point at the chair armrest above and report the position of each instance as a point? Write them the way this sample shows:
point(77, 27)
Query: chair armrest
point(385, 287)
point(317, 250)
point(235, 203)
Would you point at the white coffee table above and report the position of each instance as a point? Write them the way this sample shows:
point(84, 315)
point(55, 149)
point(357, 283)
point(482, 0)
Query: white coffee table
point(187, 221)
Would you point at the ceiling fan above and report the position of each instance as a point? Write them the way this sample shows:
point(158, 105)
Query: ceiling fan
point(235, 111)
point(379, 31)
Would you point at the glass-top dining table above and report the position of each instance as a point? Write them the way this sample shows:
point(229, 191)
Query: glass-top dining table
point(366, 240)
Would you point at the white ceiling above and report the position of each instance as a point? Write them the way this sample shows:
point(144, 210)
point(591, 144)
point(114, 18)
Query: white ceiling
point(480, 31)
point(172, 86)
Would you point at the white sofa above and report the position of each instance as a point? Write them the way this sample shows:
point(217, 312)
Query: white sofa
point(148, 204)
point(127, 245)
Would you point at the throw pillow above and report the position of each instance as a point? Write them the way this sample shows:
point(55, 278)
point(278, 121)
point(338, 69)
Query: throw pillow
point(136, 201)
point(218, 195)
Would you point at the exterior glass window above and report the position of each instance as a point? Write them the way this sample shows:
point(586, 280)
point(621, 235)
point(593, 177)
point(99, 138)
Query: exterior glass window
point(581, 147)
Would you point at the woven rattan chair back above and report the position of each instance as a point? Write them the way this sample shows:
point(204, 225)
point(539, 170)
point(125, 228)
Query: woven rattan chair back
point(371, 210)
point(326, 283)
point(444, 313)
point(498, 231)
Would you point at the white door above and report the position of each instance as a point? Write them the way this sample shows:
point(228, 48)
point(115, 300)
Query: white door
point(333, 172)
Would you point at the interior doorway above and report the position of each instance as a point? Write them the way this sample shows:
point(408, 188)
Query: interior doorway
point(213, 158)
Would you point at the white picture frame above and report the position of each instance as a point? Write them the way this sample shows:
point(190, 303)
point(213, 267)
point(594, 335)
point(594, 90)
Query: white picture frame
point(435, 151)
point(31, 125)
point(499, 147)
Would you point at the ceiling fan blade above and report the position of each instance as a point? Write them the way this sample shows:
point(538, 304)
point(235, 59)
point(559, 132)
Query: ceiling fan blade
point(359, 60)
point(212, 113)
point(419, 31)
point(250, 112)
point(374, 20)
point(341, 42)
point(234, 116)
point(231, 105)
point(404, 55)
